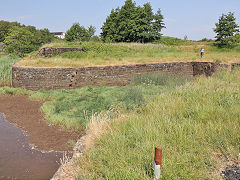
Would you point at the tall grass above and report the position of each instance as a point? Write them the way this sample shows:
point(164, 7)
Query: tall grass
point(171, 41)
point(6, 70)
point(96, 53)
point(192, 123)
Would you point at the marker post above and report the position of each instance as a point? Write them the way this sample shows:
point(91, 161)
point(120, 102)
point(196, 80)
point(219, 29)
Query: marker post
point(157, 162)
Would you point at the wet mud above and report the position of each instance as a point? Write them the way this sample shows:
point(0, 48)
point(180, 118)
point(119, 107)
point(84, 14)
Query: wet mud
point(18, 160)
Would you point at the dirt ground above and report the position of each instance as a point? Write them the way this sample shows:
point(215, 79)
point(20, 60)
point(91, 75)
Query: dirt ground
point(26, 114)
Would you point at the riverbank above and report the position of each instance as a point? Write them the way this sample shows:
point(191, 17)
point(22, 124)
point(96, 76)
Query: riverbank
point(26, 114)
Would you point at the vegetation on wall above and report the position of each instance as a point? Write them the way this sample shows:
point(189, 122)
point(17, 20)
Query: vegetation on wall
point(96, 53)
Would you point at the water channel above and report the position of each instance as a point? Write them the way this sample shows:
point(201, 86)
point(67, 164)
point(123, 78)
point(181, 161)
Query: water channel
point(20, 161)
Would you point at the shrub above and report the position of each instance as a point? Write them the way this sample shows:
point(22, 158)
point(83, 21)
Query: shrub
point(22, 40)
point(171, 41)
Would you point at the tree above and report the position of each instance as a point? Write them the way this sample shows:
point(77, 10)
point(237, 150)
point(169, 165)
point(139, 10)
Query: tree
point(226, 28)
point(185, 38)
point(80, 33)
point(91, 31)
point(5, 27)
point(20, 41)
point(132, 23)
point(158, 24)
point(110, 27)
point(45, 36)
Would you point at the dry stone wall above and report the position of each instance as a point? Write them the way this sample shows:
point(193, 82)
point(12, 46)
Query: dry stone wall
point(34, 78)
point(3, 54)
point(51, 51)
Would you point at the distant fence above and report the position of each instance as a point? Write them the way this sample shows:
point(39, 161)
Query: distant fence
point(34, 78)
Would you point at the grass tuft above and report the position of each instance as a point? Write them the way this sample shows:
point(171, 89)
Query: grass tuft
point(6, 63)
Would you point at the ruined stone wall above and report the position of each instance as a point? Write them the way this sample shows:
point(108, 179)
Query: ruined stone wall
point(206, 68)
point(34, 78)
point(51, 51)
point(3, 54)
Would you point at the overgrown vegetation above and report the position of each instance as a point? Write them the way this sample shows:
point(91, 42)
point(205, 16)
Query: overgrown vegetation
point(72, 108)
point(6, 70)
point(193, 123)
point(171, 41)
point(96, 53)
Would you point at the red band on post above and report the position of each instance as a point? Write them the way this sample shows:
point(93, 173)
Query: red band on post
point(158, 155)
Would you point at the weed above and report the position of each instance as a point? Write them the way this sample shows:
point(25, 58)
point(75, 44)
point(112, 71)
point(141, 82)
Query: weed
point(6, 69)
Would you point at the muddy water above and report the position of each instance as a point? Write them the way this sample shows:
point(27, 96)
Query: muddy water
point(19, 161)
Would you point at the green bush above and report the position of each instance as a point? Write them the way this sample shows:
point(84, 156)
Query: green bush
point(25, 39)
point(171, 41)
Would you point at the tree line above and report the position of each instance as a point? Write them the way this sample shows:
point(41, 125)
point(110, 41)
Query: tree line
point(20, 39)
point(129, 23)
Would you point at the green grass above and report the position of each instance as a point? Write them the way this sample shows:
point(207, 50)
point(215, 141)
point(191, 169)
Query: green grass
point(191, 120)
point(96, 53)
point(171, 41)
point(71, 109)
point(191, 123)
point(6, 70)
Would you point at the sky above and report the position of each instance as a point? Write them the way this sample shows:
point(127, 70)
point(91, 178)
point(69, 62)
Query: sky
point(193, 18)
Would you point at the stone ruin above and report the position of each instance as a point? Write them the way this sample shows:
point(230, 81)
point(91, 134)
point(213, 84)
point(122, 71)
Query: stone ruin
point(51, 51)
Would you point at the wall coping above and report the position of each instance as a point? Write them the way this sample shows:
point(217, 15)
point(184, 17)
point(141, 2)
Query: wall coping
point(123, 65)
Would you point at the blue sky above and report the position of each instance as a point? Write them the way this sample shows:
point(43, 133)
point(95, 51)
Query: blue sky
point(193, 18)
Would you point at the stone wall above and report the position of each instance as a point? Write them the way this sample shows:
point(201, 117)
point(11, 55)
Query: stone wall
point(3, 54)
point(50, 51)
point(206, 68)
point(34, 78)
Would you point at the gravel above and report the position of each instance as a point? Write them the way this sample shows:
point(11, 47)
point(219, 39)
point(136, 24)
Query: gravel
point(231, 173)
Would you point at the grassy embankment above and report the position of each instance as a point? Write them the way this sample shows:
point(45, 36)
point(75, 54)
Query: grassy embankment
point(197, 125)
point(131, 53)
point(72, 108)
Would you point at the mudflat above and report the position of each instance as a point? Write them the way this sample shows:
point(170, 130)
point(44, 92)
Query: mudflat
point(26, 114)
point(19, 161)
